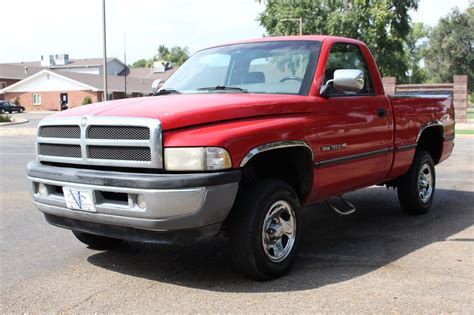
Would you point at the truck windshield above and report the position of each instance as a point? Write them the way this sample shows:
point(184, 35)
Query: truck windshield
point(276, 67)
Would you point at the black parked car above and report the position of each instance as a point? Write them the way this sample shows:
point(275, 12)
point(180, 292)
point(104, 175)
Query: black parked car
point(9, 107)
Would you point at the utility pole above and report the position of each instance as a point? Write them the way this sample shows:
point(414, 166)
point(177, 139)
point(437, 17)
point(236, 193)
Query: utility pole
point(300, 20)
point(106, 94)
point(301, 26)
point(125, 62)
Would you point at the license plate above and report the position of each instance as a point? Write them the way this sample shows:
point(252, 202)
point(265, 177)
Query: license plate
point(79, 199)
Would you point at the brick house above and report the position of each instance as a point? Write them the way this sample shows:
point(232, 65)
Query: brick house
point(47, 89)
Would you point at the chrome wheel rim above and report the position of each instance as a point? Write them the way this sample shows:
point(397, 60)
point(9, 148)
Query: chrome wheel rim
point(425, 183)
point(279, 231)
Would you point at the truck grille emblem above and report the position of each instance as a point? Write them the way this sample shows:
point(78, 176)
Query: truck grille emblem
point(83, 121)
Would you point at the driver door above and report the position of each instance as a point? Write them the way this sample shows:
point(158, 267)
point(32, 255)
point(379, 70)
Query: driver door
point(354, 130)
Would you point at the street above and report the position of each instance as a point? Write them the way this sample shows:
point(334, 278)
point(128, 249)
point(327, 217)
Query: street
point(377, 260)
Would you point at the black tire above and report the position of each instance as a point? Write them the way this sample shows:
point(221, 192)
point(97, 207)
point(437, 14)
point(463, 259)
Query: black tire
point(21, 110)
point(409, 194)
point(97, 241)
point(248, 215)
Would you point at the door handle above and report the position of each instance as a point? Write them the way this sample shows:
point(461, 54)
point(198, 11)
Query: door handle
point(381, 112)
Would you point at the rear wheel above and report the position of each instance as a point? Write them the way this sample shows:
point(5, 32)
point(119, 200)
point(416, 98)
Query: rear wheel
point(265, 229)
point(416, 188)
point(21, 110)
point(97, 241)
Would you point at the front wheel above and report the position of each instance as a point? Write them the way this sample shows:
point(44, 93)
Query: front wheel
point(97, 241)
point(265, 229)
point(416, 188)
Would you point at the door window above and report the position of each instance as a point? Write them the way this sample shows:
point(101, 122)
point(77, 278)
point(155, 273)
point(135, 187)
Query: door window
point(347, 56)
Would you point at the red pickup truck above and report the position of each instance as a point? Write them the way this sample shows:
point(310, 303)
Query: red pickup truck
point(238, 140)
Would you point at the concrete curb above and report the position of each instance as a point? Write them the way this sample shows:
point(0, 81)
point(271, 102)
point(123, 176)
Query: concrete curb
point(464, 126)
point(5, 132)
point(16, 121)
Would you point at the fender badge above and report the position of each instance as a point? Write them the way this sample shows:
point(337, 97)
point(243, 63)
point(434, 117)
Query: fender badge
point(331, 147)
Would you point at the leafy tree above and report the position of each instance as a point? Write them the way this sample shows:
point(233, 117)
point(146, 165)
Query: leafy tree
point(449, 51)
point(175, 55)
point(382, 24)
point(139, 63)
point(415, 49)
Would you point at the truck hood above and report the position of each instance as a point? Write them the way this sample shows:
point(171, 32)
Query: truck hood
point(184, 110)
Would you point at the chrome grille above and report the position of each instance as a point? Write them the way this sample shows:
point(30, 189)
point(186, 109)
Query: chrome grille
point(118, 132)
point(61, 150)
point(101, 141)
point(70, 132)
point(119, 153)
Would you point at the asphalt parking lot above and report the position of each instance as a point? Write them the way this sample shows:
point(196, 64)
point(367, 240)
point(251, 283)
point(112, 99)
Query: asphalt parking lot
point(378, 260)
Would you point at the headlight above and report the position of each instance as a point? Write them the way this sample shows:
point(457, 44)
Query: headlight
point(197, 159)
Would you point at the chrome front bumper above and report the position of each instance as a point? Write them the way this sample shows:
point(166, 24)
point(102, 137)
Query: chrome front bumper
point(173, 201)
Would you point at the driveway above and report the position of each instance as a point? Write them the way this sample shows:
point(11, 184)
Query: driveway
point(378, 260)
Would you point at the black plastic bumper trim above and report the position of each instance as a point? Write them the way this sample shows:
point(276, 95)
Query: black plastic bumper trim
point(131, 180)
point(187, 236)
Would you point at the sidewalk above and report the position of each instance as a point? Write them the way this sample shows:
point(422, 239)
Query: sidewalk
point(465, 126)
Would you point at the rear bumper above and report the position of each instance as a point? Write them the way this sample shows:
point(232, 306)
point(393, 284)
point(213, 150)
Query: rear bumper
point(173, 201)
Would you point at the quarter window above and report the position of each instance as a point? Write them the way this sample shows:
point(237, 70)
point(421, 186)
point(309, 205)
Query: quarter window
point(36, 99)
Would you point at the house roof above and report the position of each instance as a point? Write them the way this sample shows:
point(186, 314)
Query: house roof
point(19, 72)
point(94, 82)
point(147, 73)
point(86, 62)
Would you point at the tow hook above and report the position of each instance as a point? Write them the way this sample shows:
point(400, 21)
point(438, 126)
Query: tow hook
point(351, 207)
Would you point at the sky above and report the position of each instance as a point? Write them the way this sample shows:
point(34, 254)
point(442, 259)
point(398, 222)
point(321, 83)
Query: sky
point(74, 27)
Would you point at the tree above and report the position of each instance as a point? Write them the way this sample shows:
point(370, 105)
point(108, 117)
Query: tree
point(382, 24)
point(450, 50)
point(415, 49)
point(141, 63)
point(176, 55)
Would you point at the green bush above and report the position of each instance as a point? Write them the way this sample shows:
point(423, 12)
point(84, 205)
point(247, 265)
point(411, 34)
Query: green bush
point(87, 100)
point(5, 118)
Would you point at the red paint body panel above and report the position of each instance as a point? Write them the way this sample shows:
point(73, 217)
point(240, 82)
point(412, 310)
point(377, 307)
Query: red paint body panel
point(241, 122)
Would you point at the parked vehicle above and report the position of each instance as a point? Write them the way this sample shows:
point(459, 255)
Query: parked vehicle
point(10, 107)
point(238, 140)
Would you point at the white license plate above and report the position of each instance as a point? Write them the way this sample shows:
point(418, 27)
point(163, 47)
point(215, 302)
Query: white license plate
point(79, 199)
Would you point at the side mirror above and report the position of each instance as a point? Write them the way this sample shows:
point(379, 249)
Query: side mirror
point(155, 86)
point(345, 80)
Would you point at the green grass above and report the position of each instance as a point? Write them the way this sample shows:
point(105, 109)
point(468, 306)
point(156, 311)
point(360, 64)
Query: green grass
point(470, 115)
point(5, 118)
point(464, 132)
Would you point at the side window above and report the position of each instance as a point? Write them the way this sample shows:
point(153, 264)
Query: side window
point(348, 56)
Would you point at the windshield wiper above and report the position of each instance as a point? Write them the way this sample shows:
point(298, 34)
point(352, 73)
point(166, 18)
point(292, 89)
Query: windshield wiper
point(166, 91)
point(222, 88)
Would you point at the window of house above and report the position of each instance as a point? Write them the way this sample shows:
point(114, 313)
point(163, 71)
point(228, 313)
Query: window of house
point(3, 85)
point(36, 99)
